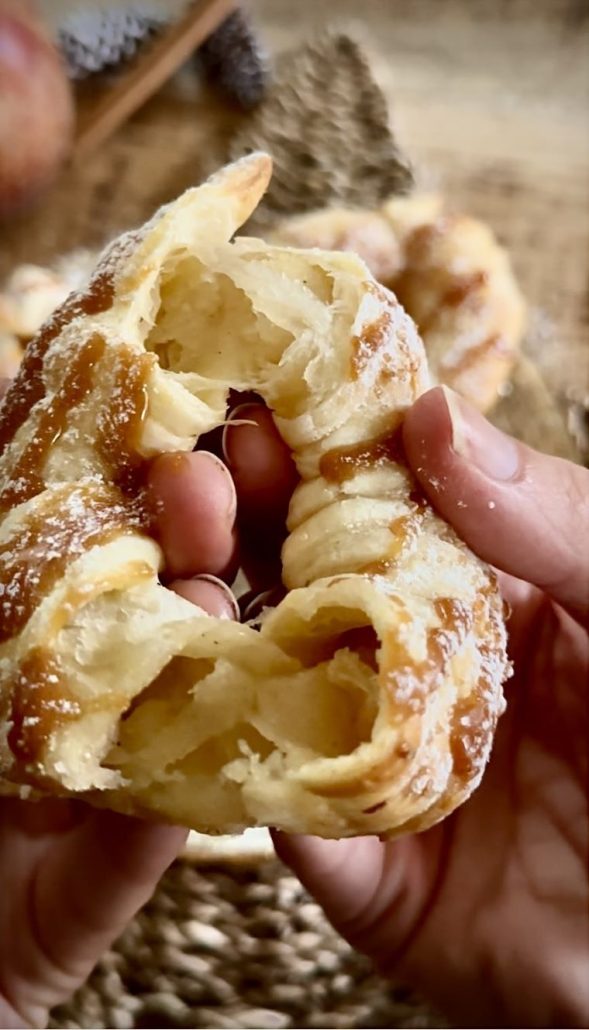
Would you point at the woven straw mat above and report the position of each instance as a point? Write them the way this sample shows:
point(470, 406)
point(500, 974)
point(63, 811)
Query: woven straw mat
point(235, 946)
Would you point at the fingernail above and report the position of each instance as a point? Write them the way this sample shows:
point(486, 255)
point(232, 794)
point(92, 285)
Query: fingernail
point(227, 599)
point(494, 453)
point(252, 603)
point(227, 593)
point(238, 413)
point(232, 494)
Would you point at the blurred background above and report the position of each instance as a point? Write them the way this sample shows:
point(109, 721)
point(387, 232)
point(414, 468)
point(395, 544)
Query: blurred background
point(487, 100)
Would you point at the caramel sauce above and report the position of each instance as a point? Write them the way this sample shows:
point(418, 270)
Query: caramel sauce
point(27, 475)
point(28, 387)
point(404, 531)
point(373, 337)
point(120, 424)
point(462, 287)
point(470, 732)
point(473, 722)
point(67, 523)
point(461, 290)
point(411, 683)
point(421, 239)
point(99, 296)
point(342, 463)
point(404, 750)
point(494, 344)
point(40, 705)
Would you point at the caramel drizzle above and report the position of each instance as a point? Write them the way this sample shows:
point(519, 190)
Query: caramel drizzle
point(411, 683)
point(40, 700)
point(40, 704)
point(372, 339)
point(470, 732)
point(494, 344)
point(26, 478)
point(28, 387)
point(66, 524)
point(71, 519)
point(460, 293)
point(421, 239)
point(462, 287)
point(475, 717)
point(121, 422)
point(343, 463)
point(405, 531)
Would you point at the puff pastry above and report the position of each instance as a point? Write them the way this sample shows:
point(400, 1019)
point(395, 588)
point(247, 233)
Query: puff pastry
point(367, 700)
point(450, 274)
point(30, 296)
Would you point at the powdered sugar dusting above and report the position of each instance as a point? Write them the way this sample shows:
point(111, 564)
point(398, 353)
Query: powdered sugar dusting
point(68, 520)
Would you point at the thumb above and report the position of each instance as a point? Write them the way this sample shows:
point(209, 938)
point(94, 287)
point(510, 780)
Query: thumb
point(524, 512)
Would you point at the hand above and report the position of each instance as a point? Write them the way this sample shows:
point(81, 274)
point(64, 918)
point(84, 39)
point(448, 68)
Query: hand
point(72, 877)
point(486, 914)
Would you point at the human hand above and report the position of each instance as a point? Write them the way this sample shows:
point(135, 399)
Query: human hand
point(72, 877)
point(486, 913)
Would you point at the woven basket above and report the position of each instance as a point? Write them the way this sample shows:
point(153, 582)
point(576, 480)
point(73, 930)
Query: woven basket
point(236, 945)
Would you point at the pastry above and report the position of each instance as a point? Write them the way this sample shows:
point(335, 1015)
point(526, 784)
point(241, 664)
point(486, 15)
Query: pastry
point(450, 274)
point(29, 297)
point(366, 701)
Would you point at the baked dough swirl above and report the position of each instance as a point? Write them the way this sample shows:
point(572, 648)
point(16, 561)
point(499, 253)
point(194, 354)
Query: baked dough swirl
point(367, 700)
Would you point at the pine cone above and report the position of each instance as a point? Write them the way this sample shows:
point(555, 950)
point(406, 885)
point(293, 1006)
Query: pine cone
point(234, 61)
point(101, 40)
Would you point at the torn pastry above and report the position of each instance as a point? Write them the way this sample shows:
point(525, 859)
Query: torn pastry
point(367, 701)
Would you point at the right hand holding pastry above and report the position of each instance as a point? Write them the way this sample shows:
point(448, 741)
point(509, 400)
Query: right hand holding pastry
point(486, 914)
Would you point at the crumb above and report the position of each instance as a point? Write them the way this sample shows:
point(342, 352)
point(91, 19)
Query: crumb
point(461, 504)
point(491, 504)
point(435, 483)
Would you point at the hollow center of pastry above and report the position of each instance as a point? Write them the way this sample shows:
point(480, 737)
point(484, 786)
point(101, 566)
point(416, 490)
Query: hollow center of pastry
point(210, 328)
point(200, 725)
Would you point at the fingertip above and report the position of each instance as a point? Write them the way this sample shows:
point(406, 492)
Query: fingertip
point(260, 462)
point(428, 423)
point(194, 497)
point(518, 509)
point(209, 593)
point(184, 473)
point(315, 857)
